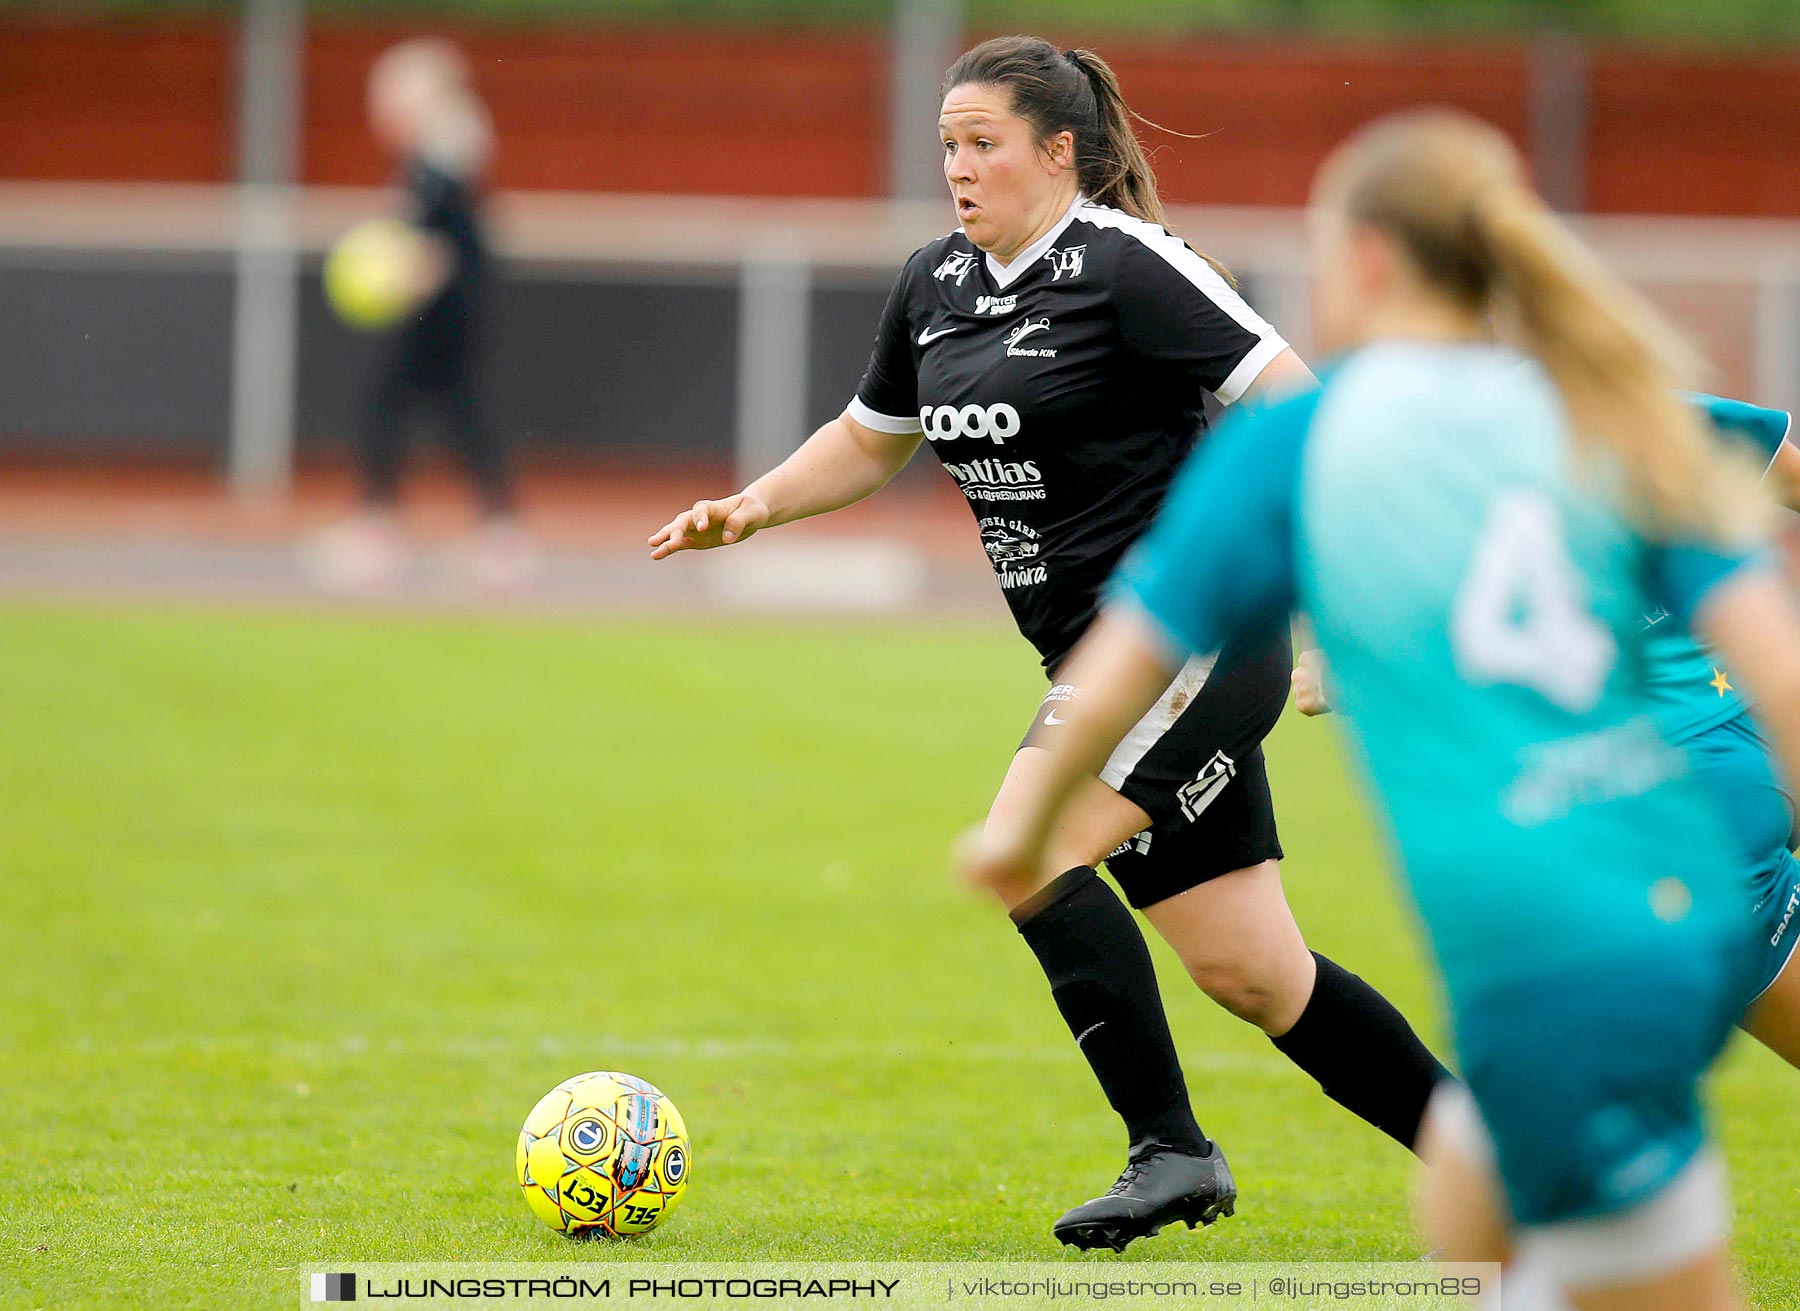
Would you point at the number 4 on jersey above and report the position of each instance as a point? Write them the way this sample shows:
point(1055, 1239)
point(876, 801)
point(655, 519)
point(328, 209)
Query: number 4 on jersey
point(1521, 617)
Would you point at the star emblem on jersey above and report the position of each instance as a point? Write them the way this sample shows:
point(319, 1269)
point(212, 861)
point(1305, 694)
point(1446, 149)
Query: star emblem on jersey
point(1720, 683)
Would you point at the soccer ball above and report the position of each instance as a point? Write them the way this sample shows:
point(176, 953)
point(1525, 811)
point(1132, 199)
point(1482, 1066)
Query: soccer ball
point(603, 1154)
point(371, 271)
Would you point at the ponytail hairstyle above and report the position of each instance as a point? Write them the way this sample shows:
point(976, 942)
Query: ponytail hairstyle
point(1451, 192)
point(1073, 91)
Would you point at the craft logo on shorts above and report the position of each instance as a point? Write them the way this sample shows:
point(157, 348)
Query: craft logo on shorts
point(1065, 260)
point(1197, 795)
point(334, 1288)
point(996, 304)
point(955, 267)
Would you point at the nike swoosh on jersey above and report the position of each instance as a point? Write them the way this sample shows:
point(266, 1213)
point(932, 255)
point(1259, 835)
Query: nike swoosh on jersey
point(1051, 720)
point(930, 335)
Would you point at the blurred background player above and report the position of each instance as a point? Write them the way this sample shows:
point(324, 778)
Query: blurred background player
point(1057, 349)
point(423, 111)
point(1476, 543)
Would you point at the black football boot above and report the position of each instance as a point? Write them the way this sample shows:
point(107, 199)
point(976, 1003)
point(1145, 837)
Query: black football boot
point(1160, 1186)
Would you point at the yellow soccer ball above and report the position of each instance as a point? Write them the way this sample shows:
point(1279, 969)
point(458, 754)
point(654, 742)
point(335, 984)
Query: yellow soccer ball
point(603, 1154)
point(372, 272)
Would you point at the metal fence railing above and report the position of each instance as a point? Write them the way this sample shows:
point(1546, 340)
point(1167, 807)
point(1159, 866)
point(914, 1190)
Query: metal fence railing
point(1733, 285)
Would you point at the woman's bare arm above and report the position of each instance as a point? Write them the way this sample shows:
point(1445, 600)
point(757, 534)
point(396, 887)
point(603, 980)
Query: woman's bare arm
point(840, 464)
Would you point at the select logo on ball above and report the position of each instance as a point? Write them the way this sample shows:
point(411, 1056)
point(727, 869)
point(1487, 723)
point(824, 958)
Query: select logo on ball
point(587, 1136)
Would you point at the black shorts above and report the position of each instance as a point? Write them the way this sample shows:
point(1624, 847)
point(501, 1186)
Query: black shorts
point(1194, 764)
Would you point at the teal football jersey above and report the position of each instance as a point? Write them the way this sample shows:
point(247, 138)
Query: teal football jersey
point(1693, 692)
point(1478, 593)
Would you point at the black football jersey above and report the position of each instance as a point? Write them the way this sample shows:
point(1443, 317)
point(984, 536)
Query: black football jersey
point(1061, 392)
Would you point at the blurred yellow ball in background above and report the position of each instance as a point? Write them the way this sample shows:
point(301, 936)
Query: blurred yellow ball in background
point(372, 273)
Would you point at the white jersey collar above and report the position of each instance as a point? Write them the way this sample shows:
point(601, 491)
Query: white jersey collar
point(1004, 275)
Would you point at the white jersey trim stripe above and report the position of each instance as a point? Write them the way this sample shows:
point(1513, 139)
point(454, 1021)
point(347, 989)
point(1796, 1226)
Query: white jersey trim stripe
point(1157, 722)
point(1776, 453)
point(1250, 368)
point(1793, 951)
point(879, 422)
point(1178, 255)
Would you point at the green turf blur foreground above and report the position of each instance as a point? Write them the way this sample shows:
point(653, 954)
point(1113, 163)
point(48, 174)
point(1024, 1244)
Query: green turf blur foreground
point(302, 914)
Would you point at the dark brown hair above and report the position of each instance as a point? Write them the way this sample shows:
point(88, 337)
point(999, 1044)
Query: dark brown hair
point(1072, 91)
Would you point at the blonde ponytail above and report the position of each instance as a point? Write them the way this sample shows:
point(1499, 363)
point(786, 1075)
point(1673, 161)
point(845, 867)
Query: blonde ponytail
point(1451, 191)
point(1616, 362)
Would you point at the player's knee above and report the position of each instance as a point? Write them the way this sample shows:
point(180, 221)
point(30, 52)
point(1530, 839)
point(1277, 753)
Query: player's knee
point(1009, 887)
point(1247, 992)
point(1013, 887)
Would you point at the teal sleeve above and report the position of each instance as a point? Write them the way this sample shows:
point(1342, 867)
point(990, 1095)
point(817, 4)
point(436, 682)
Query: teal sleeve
point(1684, 573)
point(1219, 560)
point(1760, 429)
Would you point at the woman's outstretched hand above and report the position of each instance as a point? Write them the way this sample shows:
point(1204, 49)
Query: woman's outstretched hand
point(710, 524)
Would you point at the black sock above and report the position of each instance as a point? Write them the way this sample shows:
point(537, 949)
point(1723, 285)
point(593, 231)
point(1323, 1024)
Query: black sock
point(1105, 986)
point(1363, 1053)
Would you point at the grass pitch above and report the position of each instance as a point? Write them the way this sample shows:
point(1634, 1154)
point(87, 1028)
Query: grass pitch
point(302, 914)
